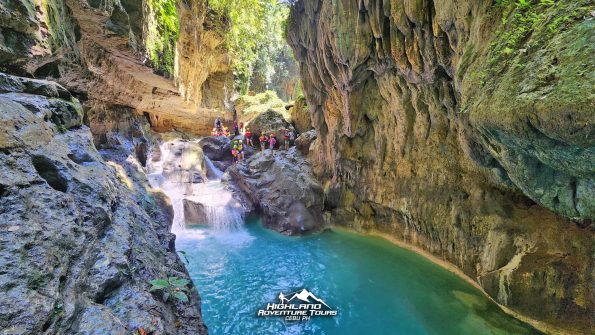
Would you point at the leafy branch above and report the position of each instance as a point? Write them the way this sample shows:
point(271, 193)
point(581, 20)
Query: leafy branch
point(171, 287)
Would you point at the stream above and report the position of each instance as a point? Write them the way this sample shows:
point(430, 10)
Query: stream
point(376, 287)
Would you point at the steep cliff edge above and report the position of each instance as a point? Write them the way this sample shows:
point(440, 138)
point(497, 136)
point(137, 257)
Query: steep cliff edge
point(464, 127)
point(110, 53)
point(82, 236)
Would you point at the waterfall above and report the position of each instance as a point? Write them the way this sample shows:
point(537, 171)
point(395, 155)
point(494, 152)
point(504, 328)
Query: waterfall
point(192, 182)
point(224, 218)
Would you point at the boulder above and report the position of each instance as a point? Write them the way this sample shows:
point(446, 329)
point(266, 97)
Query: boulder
point(282, 187)
point(217, 148)
point(194, 212)
point(305, 140)
point(270, 122)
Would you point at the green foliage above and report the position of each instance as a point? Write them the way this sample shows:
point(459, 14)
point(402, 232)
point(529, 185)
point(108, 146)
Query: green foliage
point(171, 287)
point(538, 20)
point(299, 93)
point(255, 40)
point(162, 34)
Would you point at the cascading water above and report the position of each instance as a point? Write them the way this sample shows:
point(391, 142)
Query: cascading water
point(192, 182)
point(375, 287)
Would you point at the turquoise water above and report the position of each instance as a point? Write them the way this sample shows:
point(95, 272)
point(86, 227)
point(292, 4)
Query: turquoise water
point(376, 287)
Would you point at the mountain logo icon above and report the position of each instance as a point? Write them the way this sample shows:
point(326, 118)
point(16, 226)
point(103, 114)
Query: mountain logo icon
point(303, 295)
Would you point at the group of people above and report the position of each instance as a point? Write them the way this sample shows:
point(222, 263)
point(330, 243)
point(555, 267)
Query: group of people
point(237, 150)
point(237, 145)
point(221, 130)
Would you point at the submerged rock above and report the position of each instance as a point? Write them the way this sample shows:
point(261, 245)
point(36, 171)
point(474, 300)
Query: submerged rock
point(282, 187)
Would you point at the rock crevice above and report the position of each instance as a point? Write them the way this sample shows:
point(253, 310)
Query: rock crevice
point(436, 127)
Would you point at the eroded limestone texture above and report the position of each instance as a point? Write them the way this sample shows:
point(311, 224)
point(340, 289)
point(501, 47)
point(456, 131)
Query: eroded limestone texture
point(82, 232)
point(432, 126)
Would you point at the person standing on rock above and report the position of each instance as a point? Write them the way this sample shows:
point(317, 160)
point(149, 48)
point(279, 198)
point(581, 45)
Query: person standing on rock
point(272, 142)
point(248, 137)
point(241, 127)
point(263, 140)
point(240, 151)
point(234, 153)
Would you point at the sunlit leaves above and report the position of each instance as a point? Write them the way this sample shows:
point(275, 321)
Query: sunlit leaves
point(255, 38)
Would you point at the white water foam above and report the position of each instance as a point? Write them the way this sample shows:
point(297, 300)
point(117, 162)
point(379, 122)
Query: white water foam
point(176, 173)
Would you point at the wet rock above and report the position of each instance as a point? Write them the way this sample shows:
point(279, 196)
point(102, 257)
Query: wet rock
point(194, 212)
point(90, 233)
point(283, 189)
point(217, 148)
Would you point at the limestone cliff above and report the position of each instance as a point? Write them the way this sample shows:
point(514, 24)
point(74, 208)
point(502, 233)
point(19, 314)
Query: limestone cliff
point(202, 69)
point(82, 232)
point(466, 128)
point(103, 52)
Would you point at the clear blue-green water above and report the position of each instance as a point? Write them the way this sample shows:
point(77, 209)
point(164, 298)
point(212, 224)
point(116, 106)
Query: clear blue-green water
point(376, 287)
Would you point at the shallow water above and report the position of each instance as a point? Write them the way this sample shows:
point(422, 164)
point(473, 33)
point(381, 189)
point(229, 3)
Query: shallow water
point(376, 287)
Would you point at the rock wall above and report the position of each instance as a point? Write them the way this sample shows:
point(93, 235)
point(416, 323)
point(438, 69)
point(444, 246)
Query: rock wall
point(82, 232)
point(97, 51)
point(202, 69)
point(466, 128)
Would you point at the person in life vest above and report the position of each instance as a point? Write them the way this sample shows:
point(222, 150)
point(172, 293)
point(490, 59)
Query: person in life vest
point(234, 153)
point(263, 140)
point(248, 137)
point(240, 151)
point(286, 137)
point(226, 131)
point(241, 127)
point(272, 142)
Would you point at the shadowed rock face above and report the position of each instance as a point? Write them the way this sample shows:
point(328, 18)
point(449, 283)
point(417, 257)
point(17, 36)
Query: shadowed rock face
point(283, 189)
point(82, 233)
point(437, 129)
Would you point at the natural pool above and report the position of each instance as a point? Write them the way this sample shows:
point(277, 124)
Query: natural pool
point(376, 287)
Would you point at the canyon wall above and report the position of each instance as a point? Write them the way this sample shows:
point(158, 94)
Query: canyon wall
point(102, 51)
point(202, 72)
point(83, 234)
point(465, 128)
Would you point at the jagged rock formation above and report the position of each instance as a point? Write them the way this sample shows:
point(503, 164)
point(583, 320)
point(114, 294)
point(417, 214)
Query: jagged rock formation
point(82, 236)
point(282, 188)
point(466, 128)
point(95, 51)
